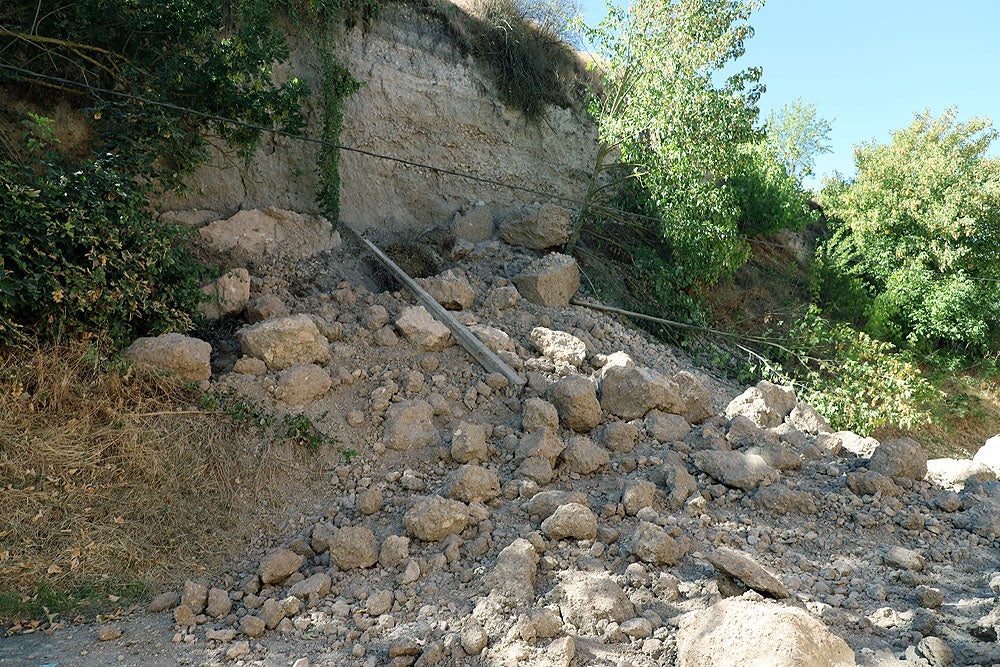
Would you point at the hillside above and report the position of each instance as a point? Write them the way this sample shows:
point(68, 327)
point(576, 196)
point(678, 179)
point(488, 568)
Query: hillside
point(325, 476)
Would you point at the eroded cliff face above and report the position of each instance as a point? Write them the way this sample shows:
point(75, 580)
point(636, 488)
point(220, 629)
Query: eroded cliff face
point(423, 101)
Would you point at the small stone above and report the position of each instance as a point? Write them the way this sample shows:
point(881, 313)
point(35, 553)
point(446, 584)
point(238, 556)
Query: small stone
point(410, 425)
point(905, 559)
point(575, 399)
point(219, 603)
point(472, 483)
point(433, 518)
point(451, 289)
point(538, 414)
point(285, 341)
point(735, 469)
point(468, 443)
point(186, 358)
point(583, 457)
point(653, 545)
point(184, 617)
point(272, 612)
point(318, 585)
point(265, 307)
point(571, 520)
point(164, 601)
point(930, 597)
point(537, 469)
point(664, 427)
point(107, 633)
point(561, 348)
point(550, 281)
point(225, 636)
point(370, 501)
point(936, 651)
point(537, 226)
point(353, 547)
point(302, 383)
point(637, 628)
point(586, 598)
point(424, 332)
point(902, 457)
point(379, 602)
point(749, 572)
point(252, 626)
point(473, 637)
point(278, 565)
point(238, 650)
point(395, 549)
point(629, 392)
point(227, 295)
point(638, 494)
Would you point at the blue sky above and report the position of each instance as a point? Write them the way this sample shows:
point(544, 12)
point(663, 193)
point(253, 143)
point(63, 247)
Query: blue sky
point(868, 66)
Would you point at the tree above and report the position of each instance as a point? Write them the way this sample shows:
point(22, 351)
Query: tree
point(670, 126)
point(796, 135)
point(917, 234)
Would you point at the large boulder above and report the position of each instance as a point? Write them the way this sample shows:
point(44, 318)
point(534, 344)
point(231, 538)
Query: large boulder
point(696, 399)
point(186, 358)
point(571, 520)
point(550, 281)
point(629, 392)
point(285, 341)
point(741, 632)
point(536, 226)
point(989, 454)
point(739, 566)
point(954, 473)
point(253, 235)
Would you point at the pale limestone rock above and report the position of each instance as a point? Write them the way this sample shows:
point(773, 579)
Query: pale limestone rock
point(227, 295)
point(410, 425)
point(353, 547)
point(302, 383)
point(571, 520)
point(536, 226)
point(696, 399)
point(989, 454)
point(549, 281)
point(744, 632)
point(766, 404)
point(433, 518)
point(629, 392)
point(186, 358)
point(266, 307)
point(575, 398)
point(495, 339)
point(451, 289)
point(285, 341)
point(423, 331)
point(562, 348)
point(253, 235)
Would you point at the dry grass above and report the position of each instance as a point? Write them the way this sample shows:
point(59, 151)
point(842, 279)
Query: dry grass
point(104, 481)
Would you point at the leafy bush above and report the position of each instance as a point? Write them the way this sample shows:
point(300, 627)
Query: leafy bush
point(857, 382)
point(917, 235)
point(81, 252)
point(767, 197)
point(80, 249)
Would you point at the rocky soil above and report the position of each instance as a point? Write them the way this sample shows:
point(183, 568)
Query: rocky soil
point(618, 508)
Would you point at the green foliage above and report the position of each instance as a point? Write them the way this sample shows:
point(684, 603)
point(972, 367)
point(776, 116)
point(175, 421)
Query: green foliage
point(81, 253)
point(857, 382)
point(48, 602)
point(665, 115)
point(917, 235)
point(300, 429)
point(767, 196)
point(338, 85)
point(796, 135)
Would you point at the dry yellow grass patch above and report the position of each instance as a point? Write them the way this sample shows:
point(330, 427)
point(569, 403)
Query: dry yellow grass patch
point(111, 476)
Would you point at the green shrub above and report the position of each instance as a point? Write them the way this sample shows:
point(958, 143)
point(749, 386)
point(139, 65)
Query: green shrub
point(767, 197)
point(857, 382)
point(80, 252)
